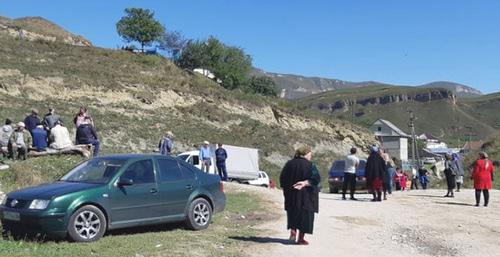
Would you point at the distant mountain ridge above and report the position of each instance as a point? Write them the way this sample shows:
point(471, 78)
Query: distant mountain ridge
point(292, 86)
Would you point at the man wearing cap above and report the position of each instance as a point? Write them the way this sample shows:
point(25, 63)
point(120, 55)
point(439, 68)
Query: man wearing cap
point(32, 120)
point(5, 132)
point(59, 136)
point(39, 135)
point(166, 144)
point(205, 157)
point(19, 142)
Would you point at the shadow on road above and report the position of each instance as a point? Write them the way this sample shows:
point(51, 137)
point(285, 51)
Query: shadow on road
point(456, 203)
point(263, 240)
point(430, 196)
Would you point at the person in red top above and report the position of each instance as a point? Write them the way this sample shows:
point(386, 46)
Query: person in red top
point(482, 176)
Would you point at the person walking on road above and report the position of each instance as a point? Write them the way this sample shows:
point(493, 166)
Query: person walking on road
point(220, 161)
point(482, 176)
point(449, 172)
point(374, 173)
point(459, 168)
point(299, 180)
point(205, 157)
point(351, 164)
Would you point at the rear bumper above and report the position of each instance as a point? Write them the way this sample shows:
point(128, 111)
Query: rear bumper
point(220, 203)
point(337, 184)
point(35, 221)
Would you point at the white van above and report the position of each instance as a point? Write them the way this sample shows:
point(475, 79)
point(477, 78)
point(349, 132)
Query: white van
point(242, 163)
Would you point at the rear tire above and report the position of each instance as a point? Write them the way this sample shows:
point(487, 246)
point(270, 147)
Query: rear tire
point(199, 214)
point(87, 224)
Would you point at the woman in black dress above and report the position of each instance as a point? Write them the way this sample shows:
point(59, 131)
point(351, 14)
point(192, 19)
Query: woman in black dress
point(299, 180)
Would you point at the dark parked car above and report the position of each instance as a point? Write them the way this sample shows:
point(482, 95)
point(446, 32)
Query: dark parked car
point(113, 192)
point(336, 176)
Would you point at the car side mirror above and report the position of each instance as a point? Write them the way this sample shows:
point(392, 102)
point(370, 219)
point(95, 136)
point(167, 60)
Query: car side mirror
point(125, 182)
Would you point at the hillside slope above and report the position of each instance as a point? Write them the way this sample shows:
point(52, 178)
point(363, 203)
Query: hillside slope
point(38, 28)
point(135, 98)
point(438, 111)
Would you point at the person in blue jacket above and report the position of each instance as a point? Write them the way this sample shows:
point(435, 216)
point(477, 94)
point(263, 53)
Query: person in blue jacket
point(220, 161)
point(39, 135)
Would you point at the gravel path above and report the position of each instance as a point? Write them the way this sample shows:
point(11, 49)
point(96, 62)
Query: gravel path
point(415, 223)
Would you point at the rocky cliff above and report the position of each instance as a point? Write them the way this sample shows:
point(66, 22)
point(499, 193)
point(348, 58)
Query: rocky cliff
point(423, 97)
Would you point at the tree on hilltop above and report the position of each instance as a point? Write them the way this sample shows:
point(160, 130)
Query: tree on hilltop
point(139, 25)
point(230, 64)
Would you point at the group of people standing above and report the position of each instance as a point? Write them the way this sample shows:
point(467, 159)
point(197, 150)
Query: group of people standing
point(300, 179)
point(38, 134)
point(380, 171)
point(205, 154)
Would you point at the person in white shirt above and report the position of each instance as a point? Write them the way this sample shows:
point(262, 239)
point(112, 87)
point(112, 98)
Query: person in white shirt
point(60, 137)
point(351, 164)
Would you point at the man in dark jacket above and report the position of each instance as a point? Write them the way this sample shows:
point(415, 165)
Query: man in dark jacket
point(32, 120)
point(86, 134)
point(50, 119)
point(220, 161)
point(374, 173)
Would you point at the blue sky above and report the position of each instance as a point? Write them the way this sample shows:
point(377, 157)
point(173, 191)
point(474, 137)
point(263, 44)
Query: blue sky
point(399, 42)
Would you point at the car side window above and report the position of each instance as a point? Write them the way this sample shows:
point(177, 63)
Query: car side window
point(169, 170)
point(187, 173)
point(141, 172)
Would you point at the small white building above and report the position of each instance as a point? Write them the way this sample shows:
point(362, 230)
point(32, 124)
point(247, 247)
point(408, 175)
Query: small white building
point(392, 139)
point(207, 74)
point(431, 142)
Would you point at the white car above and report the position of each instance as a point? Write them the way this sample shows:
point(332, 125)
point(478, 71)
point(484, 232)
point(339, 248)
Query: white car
point(263, 180)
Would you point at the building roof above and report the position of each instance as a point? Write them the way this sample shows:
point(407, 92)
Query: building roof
point(398, 131)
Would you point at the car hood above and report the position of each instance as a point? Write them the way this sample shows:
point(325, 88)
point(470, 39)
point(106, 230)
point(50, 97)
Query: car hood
point(48, 191)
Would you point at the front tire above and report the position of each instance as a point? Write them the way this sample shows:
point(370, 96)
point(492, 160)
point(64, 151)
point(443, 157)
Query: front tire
point(87, 224)
point(199, 214)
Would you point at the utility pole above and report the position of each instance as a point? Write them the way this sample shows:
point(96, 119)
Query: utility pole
point(414, 151)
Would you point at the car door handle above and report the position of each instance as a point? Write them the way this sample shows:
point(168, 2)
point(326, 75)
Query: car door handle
point(153, 190)
point(189, 187)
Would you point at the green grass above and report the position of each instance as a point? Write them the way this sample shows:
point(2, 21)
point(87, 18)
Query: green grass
point(165, 240)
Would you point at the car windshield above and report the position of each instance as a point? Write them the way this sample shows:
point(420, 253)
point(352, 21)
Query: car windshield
point(94, 171)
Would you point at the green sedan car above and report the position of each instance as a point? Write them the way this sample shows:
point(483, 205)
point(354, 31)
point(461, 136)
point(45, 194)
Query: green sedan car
point(114, 192)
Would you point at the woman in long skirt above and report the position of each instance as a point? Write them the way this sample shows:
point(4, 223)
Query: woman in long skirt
point(482, 176)
point(299, 180)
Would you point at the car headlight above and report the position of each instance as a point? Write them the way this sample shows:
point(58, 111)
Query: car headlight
point(4, 200)
point(39, 204)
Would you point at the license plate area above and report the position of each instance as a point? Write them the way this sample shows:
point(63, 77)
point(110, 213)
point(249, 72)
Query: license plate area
point(14, 216)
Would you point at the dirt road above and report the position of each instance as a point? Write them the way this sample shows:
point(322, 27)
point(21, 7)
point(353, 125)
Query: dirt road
point(416, 223)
